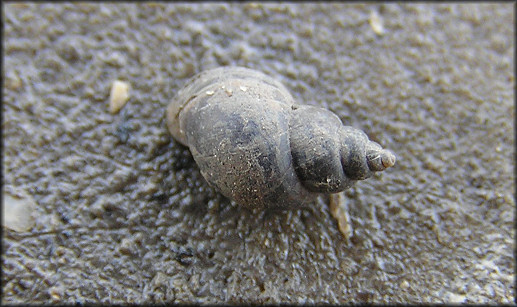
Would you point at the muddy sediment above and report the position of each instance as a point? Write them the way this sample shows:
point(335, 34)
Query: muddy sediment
point(121, 214)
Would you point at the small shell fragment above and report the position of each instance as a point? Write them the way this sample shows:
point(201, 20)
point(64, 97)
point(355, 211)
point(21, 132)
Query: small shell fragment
point(118, 96)
point(339, 211)
point(376, 23)
point(404, 285)
point(17, 212)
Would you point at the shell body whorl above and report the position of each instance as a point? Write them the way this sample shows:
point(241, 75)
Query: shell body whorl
point(255, 145)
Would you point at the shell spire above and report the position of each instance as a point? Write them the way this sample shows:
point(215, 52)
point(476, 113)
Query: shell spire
point(379, 160)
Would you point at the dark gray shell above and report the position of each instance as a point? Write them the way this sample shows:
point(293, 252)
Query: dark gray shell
point(257, 147)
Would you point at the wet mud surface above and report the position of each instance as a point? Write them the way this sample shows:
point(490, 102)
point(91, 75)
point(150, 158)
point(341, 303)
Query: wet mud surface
point(121, 213)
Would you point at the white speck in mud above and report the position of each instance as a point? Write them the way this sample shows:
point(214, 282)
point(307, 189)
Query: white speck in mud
point(376, 23)
point(455, 298)
point(118, 96)
point(18, 212)
point(404, 285)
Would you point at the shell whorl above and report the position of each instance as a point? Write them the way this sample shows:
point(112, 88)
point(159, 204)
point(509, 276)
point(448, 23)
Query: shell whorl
point(328, 156)
point(227, 81)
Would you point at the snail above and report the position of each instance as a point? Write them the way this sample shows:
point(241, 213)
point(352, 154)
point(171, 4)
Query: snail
point(255, 145)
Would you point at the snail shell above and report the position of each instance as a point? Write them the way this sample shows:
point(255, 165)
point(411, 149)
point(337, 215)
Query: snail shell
point(255, 145)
